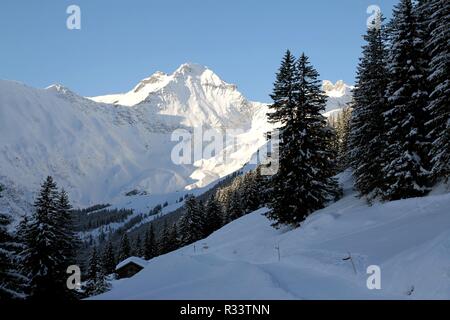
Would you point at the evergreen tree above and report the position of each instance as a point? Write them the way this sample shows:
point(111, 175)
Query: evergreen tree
point(69, 242)
point(124, 249)
point(138, 248)
point(164, 243)
point(405, 158)
point(367, 137)
point(251, 192)
point(437, 47)
point(96, 283)
point(108, 259)
point(213, 217)
point(304, 180)
point(343, 135)
point(150, 245)
point(191, 224)
point(173, 243)
point(11, 282)
point(44, 256)
point(234, 209)
point(284, 91)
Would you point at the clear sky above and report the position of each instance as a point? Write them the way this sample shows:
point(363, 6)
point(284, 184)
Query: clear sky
point(124, 41)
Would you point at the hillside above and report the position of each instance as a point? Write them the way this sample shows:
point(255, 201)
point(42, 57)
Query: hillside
point(408, 239)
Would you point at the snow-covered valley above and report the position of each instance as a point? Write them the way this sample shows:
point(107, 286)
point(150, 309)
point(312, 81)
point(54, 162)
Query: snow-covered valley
point(407, 239)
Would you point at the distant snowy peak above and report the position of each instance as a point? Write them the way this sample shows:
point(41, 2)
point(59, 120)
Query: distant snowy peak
point(339, 96)
point(186, 73)
point(193, 92)
point(337, 90)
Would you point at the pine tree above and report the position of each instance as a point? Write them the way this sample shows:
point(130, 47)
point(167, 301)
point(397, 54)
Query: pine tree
point(191, 224)
point(213, 217)
point(44, 255)
point(96, 283)
point(68, 240)
point(11, 282)
point(437, 47)
point(138, 248)
point(343, 135)
point(251, 192)
point(405, 158)
point(304, 180)
point(234, 209)
point(108, 259)
point(150, 245)
point(174, 242)
point(124, 249)
point(367, 133)
point(283, 92)
point(164, 243)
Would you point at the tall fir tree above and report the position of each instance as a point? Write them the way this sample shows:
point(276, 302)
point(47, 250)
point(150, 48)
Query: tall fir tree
point(96, 283)
point(343, 137)
point(109, 259)
point(174, 242)
point(304, 180)
point(164, 243)
point(213, 216)
point(138, 247)
point(124, 249)
point(150, 245)
point(11, 281)
point(69, 241)
point(405, 158)
point(191, 224)
point(251, 192)
point(44, 257)
point(234, 208)
point(437, 47)
point(367, 141)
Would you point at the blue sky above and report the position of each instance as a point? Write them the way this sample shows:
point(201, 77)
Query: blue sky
point(121, 42)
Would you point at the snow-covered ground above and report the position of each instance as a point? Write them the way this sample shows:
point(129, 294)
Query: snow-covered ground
point(408, 239)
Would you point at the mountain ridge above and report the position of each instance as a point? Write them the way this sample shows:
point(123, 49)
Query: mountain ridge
point(100, 151)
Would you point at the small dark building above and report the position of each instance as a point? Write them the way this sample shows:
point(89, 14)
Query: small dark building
point(129, 267)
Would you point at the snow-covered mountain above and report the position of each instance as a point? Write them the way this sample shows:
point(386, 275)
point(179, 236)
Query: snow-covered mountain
point(339, 96)
point(101, 148)
point(193, 92)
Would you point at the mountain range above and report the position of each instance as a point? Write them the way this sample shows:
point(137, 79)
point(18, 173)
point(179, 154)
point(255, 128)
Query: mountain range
point(104, 149)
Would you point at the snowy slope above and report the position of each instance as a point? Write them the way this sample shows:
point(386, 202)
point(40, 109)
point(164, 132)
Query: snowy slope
point(103, 147)
point(408, 239)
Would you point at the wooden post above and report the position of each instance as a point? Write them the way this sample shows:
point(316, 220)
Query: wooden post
point(278, 249)
point(351, 260)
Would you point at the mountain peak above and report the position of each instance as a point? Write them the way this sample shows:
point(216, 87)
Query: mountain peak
point(336, 90)
point(191, 69)
point(177, 81)
point(58, 88)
